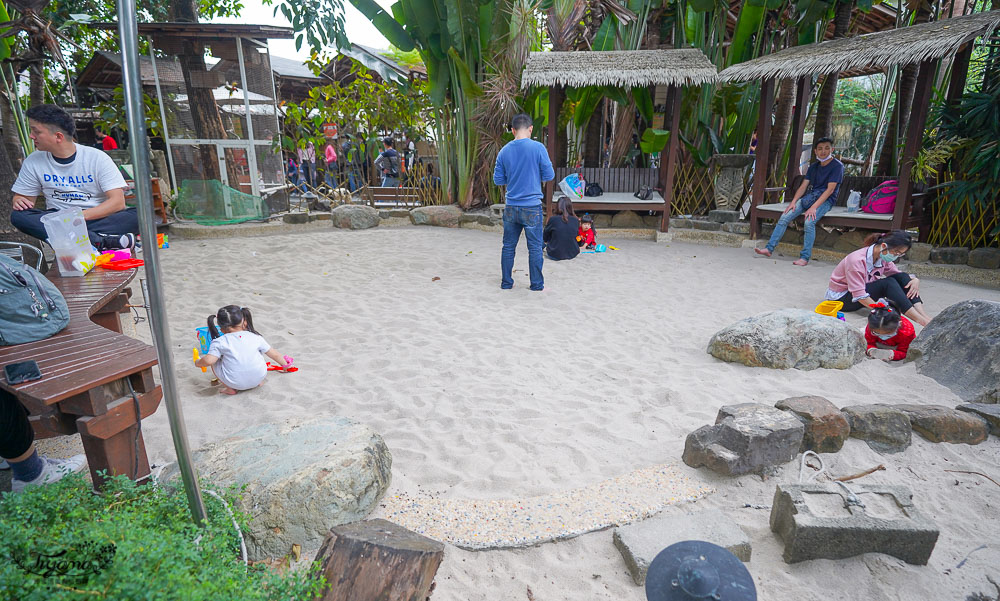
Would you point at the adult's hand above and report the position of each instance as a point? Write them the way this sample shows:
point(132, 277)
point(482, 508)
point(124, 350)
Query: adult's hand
point(22, 203)
point(791, 206)
point(913, 288)
point(811, 213)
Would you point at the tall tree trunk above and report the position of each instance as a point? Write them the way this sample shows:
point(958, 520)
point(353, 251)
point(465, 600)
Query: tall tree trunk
point(900, 115)
point(561, 141)
point(36, 83)
point(779, 132)
point(593, 144)
point(824, 107)
point(621, 142)
point(11, 142)
point(8, 174)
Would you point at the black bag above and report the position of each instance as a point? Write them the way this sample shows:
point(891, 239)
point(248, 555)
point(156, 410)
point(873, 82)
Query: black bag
point(644, 193)
point(593, 190)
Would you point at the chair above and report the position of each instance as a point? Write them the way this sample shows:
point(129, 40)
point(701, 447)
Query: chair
point(15, 250)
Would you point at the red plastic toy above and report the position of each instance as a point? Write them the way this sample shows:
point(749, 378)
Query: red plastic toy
point(123, 264)
point(288, 360)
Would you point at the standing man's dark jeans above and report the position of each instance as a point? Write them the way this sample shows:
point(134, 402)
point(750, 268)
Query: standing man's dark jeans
point(29, 221)
point(892, 287)
point(16, 434)
point(516, 219)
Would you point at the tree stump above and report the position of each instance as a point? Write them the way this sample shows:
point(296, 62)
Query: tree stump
point(376, 559)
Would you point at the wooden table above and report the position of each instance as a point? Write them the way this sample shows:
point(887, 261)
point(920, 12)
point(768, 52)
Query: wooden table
point(86, 372)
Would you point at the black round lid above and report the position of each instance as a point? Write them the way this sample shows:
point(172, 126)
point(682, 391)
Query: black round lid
point(695, 570)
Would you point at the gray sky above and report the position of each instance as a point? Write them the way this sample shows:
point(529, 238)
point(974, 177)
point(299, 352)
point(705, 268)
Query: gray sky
point(359, 29)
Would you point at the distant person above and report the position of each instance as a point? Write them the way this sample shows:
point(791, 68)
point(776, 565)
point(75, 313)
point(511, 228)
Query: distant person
point(107, 142)
point(888, 333)
point(388, 162)
point(330, 156)
point(235, 354)
point(822, 181)
point(307, 163)
point(869, 274)
point(522, 165)
point(71, 175)
point(561, 231)
point(587, 236)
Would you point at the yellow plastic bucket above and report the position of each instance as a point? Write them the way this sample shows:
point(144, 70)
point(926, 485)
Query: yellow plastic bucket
point(829, 308)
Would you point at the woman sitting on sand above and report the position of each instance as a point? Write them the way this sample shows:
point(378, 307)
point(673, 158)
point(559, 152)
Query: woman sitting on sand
point(560, 232)
point(869, 274)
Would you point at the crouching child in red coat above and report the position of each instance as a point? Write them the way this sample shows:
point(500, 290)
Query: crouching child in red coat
point(587, 235)
point(888, 333)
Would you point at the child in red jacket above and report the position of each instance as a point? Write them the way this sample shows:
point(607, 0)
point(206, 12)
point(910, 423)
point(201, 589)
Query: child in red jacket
point(887, 330)
point(587, 235)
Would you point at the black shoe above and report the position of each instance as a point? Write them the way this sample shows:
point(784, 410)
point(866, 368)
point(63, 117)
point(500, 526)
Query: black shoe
point(116, 242)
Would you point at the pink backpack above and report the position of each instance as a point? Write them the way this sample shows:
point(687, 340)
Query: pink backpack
point(882, 198)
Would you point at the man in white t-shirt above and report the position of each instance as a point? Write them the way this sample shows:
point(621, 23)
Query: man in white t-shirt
point(71, 175)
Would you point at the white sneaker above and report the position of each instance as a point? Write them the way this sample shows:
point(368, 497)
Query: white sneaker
point(4, 465)
point(54, 470)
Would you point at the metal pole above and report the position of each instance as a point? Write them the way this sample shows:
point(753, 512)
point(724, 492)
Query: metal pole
point(160, 100)
point(251, 150)
point(129, 33)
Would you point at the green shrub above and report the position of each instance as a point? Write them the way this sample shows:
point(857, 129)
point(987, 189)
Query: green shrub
point(62, 542)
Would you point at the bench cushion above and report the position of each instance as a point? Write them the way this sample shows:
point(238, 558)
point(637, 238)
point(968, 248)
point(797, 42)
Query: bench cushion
point(776, 209)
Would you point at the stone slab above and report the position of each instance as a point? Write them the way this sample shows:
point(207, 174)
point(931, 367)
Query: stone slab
point(991, 413)
point(920, 252)
point(723, 216)
point(985, 258)
point(639, 543)
point(295, 218)
point(885, 428)
point(706, 226)
point(815, 521)
point(938, 423)
point(747, 437)
point(951, 255)
point(737, 227)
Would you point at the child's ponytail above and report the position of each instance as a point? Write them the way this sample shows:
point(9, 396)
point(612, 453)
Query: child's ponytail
point(248, 319)
point(883, 317)
point(213, 331)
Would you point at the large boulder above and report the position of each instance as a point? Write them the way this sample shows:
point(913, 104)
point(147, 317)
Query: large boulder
point(937, 423)
point(627, 219)
point(960, 348)
point(885, 428)
point(826, 427)
point(443, 216)
point(355, 217)
point(301, 478)
point(991, 413)
point(789, 338)
point(747, 437)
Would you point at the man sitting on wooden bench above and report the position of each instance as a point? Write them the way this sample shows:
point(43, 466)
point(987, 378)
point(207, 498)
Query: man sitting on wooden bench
point(17, 448)
point(824, 176)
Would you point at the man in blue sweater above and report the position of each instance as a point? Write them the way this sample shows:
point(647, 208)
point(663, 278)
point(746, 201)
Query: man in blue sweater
point(522, 165)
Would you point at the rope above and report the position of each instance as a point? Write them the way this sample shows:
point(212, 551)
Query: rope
point(851, 498)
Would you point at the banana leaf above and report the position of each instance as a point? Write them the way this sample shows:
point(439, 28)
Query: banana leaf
point(5, 43)
point(643, 102)
point(589, 98)
point(469, 86)
point(386, 25)
point(653, 140)
point(747, 24)
point(605, 37)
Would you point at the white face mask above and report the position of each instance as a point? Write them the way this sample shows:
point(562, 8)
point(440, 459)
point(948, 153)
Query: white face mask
point(884, 336)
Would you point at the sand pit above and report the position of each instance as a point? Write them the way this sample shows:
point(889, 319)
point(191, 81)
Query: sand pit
point(489, 395)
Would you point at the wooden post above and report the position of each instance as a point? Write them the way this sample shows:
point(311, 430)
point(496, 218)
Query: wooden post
point(668, 158)
point(959, 74)
point(761, 163)
point(803, 91)
point(550, 144)
point(376, 559)
point(914, 139)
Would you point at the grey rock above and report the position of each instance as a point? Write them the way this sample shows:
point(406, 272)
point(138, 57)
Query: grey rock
point(885, 428)
point(497, 209)
point(626, 219)
point(985, 258)
point(394, 213)
point(469, 218)
point(789, 338)
point(679, 223)
point(850, 241)
point(354, 217)
point(708, 226)
point(920, 252)
point(601, 220)
point(652, 221)
point(488, 220)
point(639, 543)
point(991, 413)
point(937, 423)
point(723, 216)
point(442, 216)
point(746, 438)
point(320, 217)
point(816, 522)
point(826, 427)
point(301, 478)
point(295, 218)
point(960, 348)
point(951, 255)
point(737, 227)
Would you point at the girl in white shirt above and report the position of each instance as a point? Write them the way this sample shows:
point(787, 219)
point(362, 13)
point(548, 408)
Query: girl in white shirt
point(235, 354)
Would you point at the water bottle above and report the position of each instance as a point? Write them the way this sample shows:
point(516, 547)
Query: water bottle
point(853, 201)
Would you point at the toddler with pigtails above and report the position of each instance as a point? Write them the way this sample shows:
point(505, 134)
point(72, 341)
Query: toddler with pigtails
point(888, 333)
point(235, 354)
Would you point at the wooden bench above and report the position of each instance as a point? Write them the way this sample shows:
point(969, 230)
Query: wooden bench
point(619, 185)
point(86, 372)
point(909, 216)
point(389, 197)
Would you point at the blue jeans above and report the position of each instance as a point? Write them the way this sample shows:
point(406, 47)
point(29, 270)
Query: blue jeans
point(390, 182)
point(809, 233)
point(516, 219)
point(113, 226)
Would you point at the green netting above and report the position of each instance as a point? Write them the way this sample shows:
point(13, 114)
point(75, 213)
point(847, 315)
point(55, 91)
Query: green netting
point(209, 202)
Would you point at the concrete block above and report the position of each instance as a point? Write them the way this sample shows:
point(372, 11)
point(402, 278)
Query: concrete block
point(815, 521)
point(708, 226)
point(296, 218)
point(748, 437)
point(985, 258)
point(496, 210)
point(737, 227)
point(920, 252)
point(721, 216)
point(639, 543)
point(681, 223)
point(320, 217)
point(951, 255)
point(394, 213)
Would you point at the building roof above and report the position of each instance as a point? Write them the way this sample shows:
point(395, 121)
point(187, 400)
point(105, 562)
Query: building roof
point(895, 47)
point(622, 68)
point(287, 67)
point(104, 70)
point(208, 31)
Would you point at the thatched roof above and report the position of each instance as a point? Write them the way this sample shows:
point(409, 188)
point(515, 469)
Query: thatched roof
point(903, 46)
point(621, 68)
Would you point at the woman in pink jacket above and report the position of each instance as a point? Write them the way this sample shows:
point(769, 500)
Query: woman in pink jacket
point(869, 274)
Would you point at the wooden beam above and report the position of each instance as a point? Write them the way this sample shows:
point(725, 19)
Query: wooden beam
point(914, 139)
point(761, 164)
point(668, 158)
point(550, 144)
point(959, 74)
point(803, 91)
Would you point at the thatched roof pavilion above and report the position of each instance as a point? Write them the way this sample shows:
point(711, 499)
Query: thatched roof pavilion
point(922, 45)
point(896, 47)
point(622, 68)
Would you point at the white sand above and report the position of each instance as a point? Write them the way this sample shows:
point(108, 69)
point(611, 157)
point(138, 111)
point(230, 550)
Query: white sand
point(489, 394)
